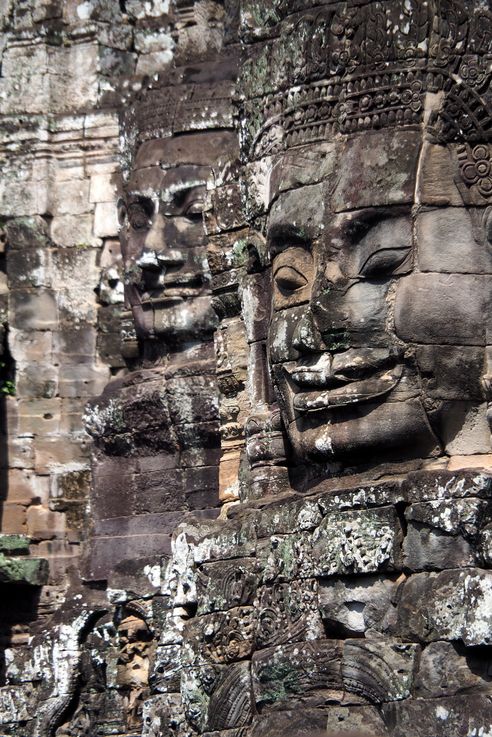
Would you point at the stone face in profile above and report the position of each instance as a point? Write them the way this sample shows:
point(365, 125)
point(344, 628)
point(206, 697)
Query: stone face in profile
point(178, 137)
point(156, 429)
point(164, 243)
point(377, 340)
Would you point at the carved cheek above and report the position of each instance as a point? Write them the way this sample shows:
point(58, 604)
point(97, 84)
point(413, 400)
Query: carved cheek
point(442, 308)
point(358, 310)
point(135, 244)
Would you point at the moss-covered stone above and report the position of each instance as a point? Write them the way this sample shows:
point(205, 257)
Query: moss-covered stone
point(14, 544)
point(30, 571)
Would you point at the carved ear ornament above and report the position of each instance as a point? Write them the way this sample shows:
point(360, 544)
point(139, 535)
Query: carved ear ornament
point(476, 168)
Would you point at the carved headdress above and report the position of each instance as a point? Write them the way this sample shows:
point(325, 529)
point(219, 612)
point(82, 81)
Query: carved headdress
point(186, 99)
point(343, 67)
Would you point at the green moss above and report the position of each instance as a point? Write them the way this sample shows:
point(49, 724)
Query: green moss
point(16, 544)
point(31, 571)
point(239, 253)
point(283, 681)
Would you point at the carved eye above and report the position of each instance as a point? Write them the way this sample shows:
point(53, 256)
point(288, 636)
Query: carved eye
point(138, 217)
point(384, 261)
point(289, 279)
point(121, 211)
point(194, 211)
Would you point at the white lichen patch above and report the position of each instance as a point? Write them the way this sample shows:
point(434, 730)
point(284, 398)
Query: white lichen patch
point(98, 419)
point(464, 610)
point(323, 442)
point(153, 574)
point(442, 713)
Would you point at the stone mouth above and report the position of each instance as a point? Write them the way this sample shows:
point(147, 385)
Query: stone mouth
point(318, 388)
point(172, 291)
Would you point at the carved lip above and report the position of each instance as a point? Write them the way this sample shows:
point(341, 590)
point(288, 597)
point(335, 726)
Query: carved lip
point(345, 379)
point(352, 393)
point(171, 292)
point(176, 287)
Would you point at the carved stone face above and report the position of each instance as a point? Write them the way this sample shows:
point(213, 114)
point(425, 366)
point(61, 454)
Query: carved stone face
point(163, 238)
point(381, 286)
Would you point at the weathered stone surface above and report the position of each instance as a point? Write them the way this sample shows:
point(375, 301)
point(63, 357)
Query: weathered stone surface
point(453, 605)
point(306, 342)
point(218, 699)
point(307, 671)
point(226, 584)
point(287, 612)
point(453, 717)
point(379, 670)
point(441, 534)
point(357, 604)
point(363, 542)
point(445, 669)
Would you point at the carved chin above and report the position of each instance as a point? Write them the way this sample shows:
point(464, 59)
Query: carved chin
point(388, 429)
point(178, 321)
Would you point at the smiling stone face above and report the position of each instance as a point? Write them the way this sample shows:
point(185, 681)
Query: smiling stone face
point(377, 341)
point(163, 238)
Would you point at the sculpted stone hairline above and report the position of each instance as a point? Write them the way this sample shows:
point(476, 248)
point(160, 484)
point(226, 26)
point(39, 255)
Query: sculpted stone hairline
point(186, 99)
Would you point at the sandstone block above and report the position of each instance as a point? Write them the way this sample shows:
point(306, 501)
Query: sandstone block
point(448, 309)
point(304, 671)
point(43, 524)
point(73, 230)
point(24, 487)
point(452, 717)
point(105, 220)
point(14, 519)
point(103, 188)
point(39, 416)
point(446, 243)
point(52, 453)
point(452, 605)
point(379, 670)
point(36, 380)
point(357, 542)
point(357, 604)
point(446, 669)
point(71, 197)
point(34, 309)
point(226, 584)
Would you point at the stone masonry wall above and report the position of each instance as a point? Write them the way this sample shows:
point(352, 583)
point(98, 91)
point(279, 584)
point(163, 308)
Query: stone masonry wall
point(337, 590)
point(67, 69)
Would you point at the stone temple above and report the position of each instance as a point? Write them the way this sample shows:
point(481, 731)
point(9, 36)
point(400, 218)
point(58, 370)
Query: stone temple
point(246, 368)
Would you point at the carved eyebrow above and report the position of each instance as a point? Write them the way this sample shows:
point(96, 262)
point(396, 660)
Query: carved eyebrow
point(177, 192)
point(286, 235)
point(360, 221)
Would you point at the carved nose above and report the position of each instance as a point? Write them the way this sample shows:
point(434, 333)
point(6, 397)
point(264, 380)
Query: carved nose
point(158, 255)
point(306, 336)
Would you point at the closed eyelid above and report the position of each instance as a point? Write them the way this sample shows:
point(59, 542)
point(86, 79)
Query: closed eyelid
point(400, 255)
point(147, 204)
point(284, 264)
